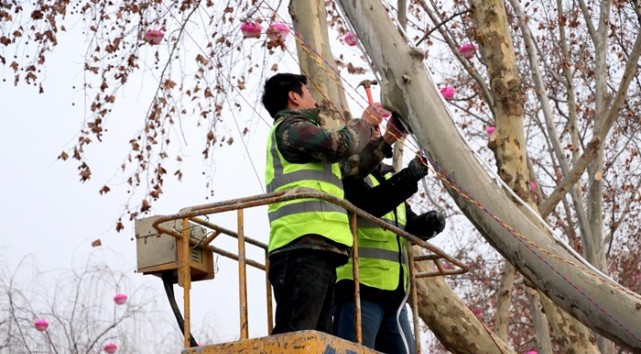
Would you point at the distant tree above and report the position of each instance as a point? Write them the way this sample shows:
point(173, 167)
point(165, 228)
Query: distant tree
point(81, 312)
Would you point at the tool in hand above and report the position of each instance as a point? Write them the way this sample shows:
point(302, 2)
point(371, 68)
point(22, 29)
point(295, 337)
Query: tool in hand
point(367, 84)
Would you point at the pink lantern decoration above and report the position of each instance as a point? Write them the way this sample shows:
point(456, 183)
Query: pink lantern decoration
point(153, 36)
point(41, 325)
point(490, 130)
point(350, 39)
point(110, 347)
point(467, 50)
point(277, 31)
point(448, 92)
point(120, 298)
point(533, 186)
point(477, 311)
point(251, 29)
point(532, 352)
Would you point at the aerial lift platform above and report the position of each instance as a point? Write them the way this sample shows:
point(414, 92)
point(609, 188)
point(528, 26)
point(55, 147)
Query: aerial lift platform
point(180, 249)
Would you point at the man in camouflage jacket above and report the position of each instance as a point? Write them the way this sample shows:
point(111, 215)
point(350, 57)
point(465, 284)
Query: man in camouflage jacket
point(303, 255)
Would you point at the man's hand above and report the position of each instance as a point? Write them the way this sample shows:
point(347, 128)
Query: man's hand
point(394, 130)
point(375, 114)
point(434, 224)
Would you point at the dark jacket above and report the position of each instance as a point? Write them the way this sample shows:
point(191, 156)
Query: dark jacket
point(379, 201)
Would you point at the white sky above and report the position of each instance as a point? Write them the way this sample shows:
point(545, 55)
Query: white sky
point(50, 215)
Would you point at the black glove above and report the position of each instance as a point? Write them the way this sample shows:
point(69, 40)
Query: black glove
point(417, 168)
point(434, 224)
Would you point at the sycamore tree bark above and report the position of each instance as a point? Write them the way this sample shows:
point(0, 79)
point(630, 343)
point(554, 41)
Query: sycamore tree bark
point(451, 321)
point(316, 60)
point(508, 144)
point(601, 305)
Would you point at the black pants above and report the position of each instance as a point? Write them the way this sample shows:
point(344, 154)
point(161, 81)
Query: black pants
point(303, 282)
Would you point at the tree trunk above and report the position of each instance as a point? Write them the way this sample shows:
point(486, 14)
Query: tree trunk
point(605, 307)
point(595, 250)
point(503, 302)
point(540, 322)
point(509, 141)
point(312, 43)
point(451, 321)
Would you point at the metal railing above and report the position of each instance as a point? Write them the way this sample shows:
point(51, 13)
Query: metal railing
point(194, 214)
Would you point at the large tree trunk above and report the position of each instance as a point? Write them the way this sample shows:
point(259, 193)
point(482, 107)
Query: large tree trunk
point(451, 321)
point(408, 89)
point(312, 43)
point(509, 142)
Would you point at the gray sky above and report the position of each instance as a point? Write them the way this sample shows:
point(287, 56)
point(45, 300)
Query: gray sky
point(51, 216)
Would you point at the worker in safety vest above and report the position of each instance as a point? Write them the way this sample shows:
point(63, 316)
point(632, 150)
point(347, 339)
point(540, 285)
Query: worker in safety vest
point(383, 262)
point(309, 238)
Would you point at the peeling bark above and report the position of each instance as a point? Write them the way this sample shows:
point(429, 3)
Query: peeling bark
point(451, 321)
point(540, 322)
point(511, 156)
point(504, 299)
point(312, 42)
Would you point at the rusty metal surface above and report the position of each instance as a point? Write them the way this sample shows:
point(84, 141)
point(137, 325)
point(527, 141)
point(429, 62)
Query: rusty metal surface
point(357, 281)
point(270, 319)
point(307, 342)
point(414, 298)
point(186, 280)
point(242, 278)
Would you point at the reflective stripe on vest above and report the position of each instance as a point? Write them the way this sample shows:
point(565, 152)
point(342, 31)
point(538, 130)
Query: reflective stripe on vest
point(381, 253)
point(304, 207)
point(292, 219)
point(388, 255)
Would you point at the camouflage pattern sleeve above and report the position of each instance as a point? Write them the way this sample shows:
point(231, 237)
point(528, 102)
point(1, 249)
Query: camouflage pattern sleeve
point(361, 164)
point(300, 140)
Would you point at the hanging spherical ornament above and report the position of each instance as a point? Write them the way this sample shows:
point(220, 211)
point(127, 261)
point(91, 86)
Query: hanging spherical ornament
point(120, 298)
point(277, 31)
point(490, 130)
point(153, 36)
point(467, 50)
point(41, 325)
point(448, 92)
point(110, 348)
point(350, 39)
point(251, 29)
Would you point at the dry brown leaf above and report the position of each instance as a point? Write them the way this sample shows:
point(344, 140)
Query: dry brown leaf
point(169, 84)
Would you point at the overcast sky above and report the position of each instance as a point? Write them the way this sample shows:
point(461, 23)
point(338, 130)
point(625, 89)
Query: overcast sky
point(49, 215)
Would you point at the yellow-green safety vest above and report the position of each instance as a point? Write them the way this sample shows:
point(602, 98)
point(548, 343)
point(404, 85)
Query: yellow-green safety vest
point(381, 253)
point(292, 219)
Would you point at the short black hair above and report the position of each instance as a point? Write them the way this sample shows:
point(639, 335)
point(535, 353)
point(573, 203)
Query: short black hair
point(277, 88)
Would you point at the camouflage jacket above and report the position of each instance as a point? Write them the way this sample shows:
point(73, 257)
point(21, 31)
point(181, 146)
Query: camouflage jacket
point(301, 139)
